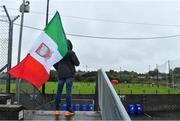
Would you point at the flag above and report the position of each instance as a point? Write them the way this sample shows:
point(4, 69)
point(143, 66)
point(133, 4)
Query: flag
point(48, 49)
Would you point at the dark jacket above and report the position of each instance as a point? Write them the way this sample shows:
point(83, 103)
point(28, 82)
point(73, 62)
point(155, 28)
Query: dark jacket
point(66, 66)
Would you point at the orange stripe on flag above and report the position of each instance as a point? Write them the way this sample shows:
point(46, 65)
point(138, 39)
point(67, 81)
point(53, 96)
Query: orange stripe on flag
point(29, 69)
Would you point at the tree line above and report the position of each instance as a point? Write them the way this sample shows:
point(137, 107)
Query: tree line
point(121, 76)
point(124, 76)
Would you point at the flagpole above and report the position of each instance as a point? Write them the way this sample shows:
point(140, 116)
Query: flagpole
point(19, 51)
point(47, 12)
point(47, 15)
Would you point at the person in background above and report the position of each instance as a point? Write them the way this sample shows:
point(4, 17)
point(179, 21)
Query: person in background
point(66, 72)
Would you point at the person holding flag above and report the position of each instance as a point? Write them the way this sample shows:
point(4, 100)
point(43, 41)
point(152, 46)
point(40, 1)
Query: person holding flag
point(66, 73)
point(50, 47)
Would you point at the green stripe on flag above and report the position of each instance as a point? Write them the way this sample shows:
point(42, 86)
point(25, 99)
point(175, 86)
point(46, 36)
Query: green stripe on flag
point(55, 31)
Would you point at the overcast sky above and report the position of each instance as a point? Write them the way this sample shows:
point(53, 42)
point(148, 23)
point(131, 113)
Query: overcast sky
point(109, 19)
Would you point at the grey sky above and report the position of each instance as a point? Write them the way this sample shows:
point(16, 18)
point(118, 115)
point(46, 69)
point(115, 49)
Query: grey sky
point(128, 54)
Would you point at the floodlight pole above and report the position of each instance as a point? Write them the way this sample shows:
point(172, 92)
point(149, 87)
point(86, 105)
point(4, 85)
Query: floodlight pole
point(119, 74)
point(170, 81)
point(149, 77)
point(20, 35)
point(23, 8)
point(157, 75)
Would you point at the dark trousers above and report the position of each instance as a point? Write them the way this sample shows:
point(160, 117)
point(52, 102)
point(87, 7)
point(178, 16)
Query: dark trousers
point(69, 83)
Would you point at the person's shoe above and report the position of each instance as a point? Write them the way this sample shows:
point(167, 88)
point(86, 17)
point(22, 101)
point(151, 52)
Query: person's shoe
point(57, 114)
point(68, 114)
point(72, 112)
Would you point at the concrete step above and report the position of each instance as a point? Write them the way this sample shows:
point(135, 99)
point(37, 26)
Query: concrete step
point(11, 112)
point(4, 98)
point(49, 115)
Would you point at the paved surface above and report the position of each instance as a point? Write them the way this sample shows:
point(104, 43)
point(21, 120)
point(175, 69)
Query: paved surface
point(92, 115)
point(157, 116)
point(49, 115)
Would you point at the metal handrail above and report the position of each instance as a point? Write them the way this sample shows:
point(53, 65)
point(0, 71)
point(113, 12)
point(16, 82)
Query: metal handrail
point(110, 105)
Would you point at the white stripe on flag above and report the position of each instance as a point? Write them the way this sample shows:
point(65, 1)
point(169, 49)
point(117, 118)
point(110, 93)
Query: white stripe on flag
point(40, 49)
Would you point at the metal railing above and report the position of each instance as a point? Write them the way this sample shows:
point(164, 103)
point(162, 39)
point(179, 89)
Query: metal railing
point(6, 40)
point(110, 105)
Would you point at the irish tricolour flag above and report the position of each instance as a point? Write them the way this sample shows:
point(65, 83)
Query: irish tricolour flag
point(48, 49)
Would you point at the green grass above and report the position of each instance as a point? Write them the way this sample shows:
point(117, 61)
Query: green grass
point(78, 88)
point(89, 88)
point(3, 88)
point(144, 89)
point(51, 88)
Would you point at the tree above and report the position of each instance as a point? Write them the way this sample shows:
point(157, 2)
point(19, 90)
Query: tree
point(53, 75)
point(153, 73)
point(176, 70)
point(78, 77)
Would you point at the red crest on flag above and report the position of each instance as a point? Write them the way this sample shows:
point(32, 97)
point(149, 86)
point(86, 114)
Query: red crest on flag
point(44, 51)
